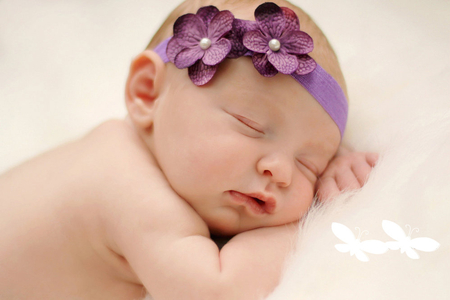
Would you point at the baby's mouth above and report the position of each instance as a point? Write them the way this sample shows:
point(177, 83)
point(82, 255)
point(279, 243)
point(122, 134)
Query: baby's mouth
point(257, 203)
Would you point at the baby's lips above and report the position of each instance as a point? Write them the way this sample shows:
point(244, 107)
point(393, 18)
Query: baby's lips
point(270, 203)
point(258, 203)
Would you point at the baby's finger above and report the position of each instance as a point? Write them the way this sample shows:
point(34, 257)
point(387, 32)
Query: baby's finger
point(327, 188)
point(372, 158)
point(346, 180)
point(362, 172)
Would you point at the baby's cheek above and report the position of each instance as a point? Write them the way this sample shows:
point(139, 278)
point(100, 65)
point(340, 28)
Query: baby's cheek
point(301, 197)
point(216, 156)
point(196, 161)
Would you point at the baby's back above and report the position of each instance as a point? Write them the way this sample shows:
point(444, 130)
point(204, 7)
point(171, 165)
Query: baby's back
point(52, 241)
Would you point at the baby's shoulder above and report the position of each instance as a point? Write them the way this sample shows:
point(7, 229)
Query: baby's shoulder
point(131, 171)
point(134, 188)
point(110, 130)
point(118, 155)
point(115, 144)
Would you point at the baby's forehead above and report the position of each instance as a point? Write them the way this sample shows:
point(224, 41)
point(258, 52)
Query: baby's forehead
point(237, 83)
point(241, 74)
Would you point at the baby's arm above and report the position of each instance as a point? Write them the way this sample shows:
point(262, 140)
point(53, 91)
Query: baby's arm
point(168, 246)
point(254, 260)
point(346, 171)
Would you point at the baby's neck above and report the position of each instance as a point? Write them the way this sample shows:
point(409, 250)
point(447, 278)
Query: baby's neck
point(141, 139)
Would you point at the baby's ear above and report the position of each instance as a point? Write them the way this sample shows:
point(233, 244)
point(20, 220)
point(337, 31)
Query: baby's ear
point(144, 85)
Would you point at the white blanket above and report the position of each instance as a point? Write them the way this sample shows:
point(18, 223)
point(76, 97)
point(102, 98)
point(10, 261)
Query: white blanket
point(62, 71)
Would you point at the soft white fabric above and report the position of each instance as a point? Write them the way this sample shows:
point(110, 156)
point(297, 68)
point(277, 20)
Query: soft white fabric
point(62, 71)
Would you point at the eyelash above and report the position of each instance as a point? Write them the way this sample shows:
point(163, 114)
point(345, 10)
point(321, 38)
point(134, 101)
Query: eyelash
point(241, 119)
point(307, 165)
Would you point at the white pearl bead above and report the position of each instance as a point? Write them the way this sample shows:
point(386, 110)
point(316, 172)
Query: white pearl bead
point(205, 43)
point(274, 45)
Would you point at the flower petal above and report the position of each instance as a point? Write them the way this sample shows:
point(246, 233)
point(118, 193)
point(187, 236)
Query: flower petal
point(206, 13)
point(263, 66)
point(188, 57)
point(236, 36)
point(292, 22)
point(270, 19)
point(200, 73)
point(220, 25)
point(188, 30)
point(256, 41)
point(285, 63)
point(247, 25)
point(306, 64)
point(297, 42)
point(217, 52)
point(173, 48)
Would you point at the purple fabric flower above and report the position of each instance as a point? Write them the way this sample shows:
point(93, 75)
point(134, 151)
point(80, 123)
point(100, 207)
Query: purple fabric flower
point(236, 35)
point(199, 42)
point(278, 44)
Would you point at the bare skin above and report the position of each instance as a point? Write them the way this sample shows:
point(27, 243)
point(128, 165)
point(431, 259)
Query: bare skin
point(98, 219)
point(63, 217)
point(54, 243)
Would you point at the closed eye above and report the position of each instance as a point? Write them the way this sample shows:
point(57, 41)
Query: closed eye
point(249, 123)
point(310, 166)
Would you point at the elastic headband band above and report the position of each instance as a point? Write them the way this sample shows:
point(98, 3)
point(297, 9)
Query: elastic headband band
point(195, 34)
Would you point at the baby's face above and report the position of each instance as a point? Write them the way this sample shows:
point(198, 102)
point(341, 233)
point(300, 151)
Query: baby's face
point(244, 151)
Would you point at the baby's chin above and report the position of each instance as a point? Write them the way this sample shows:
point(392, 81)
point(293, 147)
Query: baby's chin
point(223, 230)
point(222, 221)
point(226, 221)
point(221, 227)
point(227, 227)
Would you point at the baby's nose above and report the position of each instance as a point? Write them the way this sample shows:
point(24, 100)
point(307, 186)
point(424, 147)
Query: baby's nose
point(277, 167)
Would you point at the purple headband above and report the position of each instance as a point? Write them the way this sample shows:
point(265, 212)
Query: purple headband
point(274, 41)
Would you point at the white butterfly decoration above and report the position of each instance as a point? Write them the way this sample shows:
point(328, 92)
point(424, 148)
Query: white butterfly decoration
point(405, 243)
point(354, 245)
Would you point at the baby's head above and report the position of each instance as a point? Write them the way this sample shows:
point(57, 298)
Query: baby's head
point(244, 150)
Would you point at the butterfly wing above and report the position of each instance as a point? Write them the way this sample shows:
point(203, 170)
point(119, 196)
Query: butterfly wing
point(424, 244)
point(373, 246)
point(361, 255)
point(343, 233)
point(411, 253)
point(342, 247)
point(393, 245)
point(393, 230)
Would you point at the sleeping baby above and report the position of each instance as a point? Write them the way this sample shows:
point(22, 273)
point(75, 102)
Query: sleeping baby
point(235, 121)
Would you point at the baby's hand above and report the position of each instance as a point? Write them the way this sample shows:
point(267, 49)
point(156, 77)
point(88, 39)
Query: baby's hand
point(346, 171)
